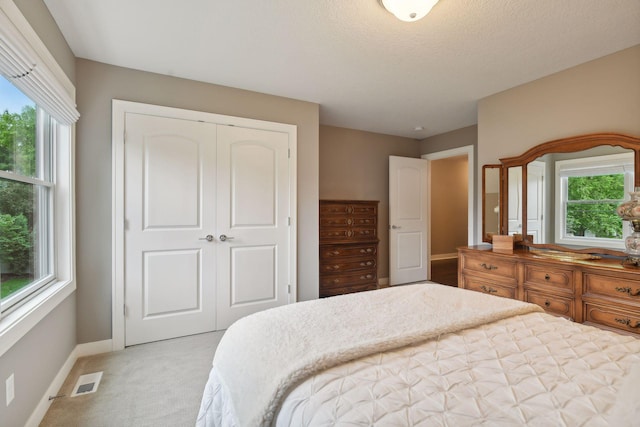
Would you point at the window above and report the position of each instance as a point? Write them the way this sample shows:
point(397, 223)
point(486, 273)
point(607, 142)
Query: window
point(26, 196)
point(589, 191)
point(36, 170)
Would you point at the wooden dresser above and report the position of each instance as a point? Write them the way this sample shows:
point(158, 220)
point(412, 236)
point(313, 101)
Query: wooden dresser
point(600, 292)
point(348, 246)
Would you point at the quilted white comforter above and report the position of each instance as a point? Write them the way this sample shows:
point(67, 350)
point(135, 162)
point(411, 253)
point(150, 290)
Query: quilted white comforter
point(530, 369)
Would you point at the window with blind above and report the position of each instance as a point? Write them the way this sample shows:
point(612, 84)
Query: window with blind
point(588, 191)
point(37, 114)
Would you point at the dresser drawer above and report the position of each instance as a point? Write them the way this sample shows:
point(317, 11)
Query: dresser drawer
point(544, 275)
point(487, 287)
point(612, 286)
point(618, 317)
point(494, 266)
point(342, 251)
point(551, 303)
point(350, 264)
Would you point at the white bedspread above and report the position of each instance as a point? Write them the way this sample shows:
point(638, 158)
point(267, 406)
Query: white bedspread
point(261, 357)
point(534, 370)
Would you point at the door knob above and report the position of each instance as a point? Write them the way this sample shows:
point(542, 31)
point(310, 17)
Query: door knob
point(208, 238)
point(224, 238)
point(395, 227)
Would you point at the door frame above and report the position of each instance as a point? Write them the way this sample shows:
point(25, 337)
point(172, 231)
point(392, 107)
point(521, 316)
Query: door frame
point(119, 109)
point(467, 150)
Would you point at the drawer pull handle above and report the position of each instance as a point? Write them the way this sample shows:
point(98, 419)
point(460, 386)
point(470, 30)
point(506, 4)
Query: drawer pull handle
point(547, 277)
point(627, 322)
point(627, 290)
point(547, 303)
point(488, 290)
point(488, 266)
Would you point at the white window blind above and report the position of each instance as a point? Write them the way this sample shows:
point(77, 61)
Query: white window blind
point(31, 68)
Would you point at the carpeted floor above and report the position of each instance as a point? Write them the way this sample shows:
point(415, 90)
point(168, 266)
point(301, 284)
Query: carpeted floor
point(157, 384)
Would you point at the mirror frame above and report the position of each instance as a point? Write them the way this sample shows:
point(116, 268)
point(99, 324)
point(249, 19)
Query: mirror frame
point(564, 145)
point(486, 238)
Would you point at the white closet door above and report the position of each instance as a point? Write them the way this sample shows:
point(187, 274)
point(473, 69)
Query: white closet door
point(170, 198)
point(252, 222)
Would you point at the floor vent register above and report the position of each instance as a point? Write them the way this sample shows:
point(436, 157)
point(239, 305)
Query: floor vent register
point(86, 384)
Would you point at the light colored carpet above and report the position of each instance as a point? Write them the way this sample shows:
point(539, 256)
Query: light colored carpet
point(156, 384)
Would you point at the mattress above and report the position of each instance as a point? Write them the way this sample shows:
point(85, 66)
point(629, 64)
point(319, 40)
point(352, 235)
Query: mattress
point(531, 369)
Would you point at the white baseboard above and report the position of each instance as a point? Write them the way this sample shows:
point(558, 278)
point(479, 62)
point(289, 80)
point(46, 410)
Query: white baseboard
point(91, 348)
point(444, 256)
point(80, 350)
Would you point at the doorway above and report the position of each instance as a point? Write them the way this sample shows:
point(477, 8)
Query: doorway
point(450, 204)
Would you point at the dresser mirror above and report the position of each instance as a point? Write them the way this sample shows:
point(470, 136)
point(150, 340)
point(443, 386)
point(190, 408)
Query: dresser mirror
point(562, 194)
point(490, 202)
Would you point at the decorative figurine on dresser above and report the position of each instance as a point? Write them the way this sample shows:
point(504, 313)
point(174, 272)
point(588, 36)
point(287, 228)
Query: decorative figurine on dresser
point(348, 246)
point(588, 281)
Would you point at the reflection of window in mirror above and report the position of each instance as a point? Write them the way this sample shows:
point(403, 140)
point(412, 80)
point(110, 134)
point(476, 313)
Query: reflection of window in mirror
point(588, 190)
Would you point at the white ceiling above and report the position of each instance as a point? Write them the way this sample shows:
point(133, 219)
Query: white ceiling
point(365, 68)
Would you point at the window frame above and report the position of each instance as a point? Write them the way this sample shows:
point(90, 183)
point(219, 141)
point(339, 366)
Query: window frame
point(622, 163)
point(45, 140)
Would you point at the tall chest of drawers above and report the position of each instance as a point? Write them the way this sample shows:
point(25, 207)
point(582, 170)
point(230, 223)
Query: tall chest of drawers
point(348, 246)
point(600, 292)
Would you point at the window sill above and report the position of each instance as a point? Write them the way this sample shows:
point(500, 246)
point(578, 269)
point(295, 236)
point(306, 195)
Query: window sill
point(19, 322)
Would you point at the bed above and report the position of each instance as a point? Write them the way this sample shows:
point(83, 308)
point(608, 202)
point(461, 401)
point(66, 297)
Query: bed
point(423, 354)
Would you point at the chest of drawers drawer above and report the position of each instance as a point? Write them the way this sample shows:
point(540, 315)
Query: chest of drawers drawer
point(331, 266)
point(328, 208)
point(348, 234)
point(347, 279)
point(347, 251)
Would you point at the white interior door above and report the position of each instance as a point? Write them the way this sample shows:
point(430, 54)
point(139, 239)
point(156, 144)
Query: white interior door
point(408, 254)
point(253, 222)
point(169, 209)
point(515, 201)
point(535, 201)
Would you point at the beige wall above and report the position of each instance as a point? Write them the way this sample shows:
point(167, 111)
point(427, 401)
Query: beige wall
point(38, 356)
point(598, 96)
point(446, 141)
point(449, 205)
point(97, 85)
point(355, 165)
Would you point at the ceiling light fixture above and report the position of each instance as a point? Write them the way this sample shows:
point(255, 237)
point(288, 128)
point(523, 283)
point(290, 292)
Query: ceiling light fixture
point(409, 10)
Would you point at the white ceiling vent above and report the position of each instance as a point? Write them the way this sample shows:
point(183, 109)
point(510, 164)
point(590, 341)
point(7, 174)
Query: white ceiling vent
point(87, 383)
